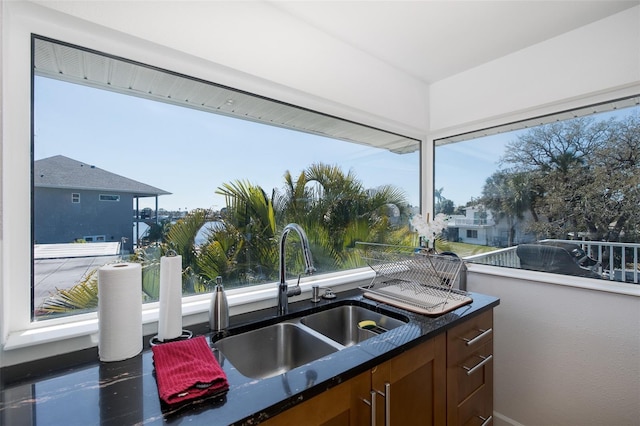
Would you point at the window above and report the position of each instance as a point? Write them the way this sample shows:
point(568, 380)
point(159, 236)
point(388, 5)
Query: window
point(209, 171)
point(559, 193)
point(75, 197)
point(95, 238)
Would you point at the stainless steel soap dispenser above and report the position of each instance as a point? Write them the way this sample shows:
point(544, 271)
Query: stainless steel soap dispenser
point(219, 309)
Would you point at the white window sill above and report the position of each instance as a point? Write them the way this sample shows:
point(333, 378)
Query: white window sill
point(195, 309)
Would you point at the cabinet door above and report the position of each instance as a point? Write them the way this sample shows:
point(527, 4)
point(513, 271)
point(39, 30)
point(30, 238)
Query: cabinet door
point(330, 408)
point(361, 407)
point(410, 388)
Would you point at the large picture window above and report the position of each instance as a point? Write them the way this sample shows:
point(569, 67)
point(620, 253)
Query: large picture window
point(208, 171)
point(554, 194)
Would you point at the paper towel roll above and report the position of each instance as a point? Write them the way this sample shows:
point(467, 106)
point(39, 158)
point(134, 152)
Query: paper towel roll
point(119, 311)
point(170, 319)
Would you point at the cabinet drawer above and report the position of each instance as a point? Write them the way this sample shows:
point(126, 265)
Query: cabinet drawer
point(473, 373)
point(478, 409)
point(464, 339)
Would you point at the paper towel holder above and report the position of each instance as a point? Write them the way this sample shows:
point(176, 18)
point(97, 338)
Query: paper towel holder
point(186, 334)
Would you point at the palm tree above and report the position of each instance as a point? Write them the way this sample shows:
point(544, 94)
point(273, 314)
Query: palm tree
point(347, 210)
point(251, 220)
point(334, 209)
point(508, 196)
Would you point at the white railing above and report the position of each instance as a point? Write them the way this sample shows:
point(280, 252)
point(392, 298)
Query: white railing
point(504, 257)
point(457, 221)
point(616, 261)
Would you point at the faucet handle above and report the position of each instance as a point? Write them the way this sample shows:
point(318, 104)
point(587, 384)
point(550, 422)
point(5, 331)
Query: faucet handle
point(295, 291)
point(328, 293)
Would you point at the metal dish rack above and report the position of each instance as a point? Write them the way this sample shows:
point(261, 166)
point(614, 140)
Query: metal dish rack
point(412, 279)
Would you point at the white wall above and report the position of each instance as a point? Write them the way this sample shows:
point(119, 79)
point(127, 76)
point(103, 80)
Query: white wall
point(563, 355)
point(599, 61)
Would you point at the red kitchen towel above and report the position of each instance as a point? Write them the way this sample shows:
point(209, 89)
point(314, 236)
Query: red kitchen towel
point(187, 370)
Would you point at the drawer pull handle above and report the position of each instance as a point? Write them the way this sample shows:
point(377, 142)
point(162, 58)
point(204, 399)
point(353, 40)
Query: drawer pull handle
point(485, 421)
point(471, 370)
point(478, 337)
point(372, 404)
point(387, 403)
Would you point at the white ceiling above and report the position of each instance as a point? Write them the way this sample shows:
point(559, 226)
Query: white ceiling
point(432, 40)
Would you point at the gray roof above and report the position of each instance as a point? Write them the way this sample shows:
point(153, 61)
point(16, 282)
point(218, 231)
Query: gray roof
point(63, 172)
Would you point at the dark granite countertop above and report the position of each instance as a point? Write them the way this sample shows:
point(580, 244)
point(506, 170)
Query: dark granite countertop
point(78, 389)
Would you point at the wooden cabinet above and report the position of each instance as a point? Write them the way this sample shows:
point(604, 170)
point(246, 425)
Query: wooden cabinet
point(330, 408)
point(446, 380)
point(409, 388)
point(470, 372)
point(406, 390)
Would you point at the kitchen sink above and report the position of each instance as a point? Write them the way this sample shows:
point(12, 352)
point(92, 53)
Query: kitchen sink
point(273, 350)
point(341, 323)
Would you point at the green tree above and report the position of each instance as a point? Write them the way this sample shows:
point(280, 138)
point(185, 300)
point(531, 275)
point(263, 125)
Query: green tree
point(508, 196)
point(251, 221)
point(611, 196)
point(446, 206)
point(333, 208)
point(336, 211)
point(582, 177)
point(348, 211)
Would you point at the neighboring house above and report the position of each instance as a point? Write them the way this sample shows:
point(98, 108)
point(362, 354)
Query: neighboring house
point(475, 227)
point(75, 201)
point(479, 226)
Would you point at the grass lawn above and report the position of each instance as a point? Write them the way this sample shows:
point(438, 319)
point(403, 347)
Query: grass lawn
point(463, 249)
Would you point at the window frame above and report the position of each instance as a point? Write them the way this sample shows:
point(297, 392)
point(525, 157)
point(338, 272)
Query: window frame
point(366, 135)
point(629, 99)
point(19, 334)
point(21, 329)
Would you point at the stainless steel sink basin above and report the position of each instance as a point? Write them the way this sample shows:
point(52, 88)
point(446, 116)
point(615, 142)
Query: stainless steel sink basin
point(341, 323)
point(273, 350)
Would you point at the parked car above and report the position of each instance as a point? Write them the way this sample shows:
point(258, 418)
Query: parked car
point(558, 258)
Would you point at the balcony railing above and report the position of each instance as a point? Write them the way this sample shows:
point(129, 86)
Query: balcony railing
point(456, 222)
point(616, 261)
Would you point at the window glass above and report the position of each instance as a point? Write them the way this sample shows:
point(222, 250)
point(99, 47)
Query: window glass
point(556, 194)
point(197, 179)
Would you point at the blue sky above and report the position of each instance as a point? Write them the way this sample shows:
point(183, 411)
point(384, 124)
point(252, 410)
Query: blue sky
point(191, 153)
point(462, 168)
